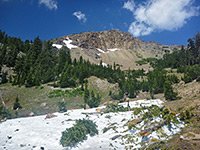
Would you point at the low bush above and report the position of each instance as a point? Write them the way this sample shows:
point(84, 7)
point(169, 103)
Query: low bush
point(136, 110)
point(70, 93)
point(106, 129)
point(4, 113)
point(77, 133)
point(17, 104)
point(62, 106)
point(115, 108)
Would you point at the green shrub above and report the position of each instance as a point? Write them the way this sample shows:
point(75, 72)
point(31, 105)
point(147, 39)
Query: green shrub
point(60, 93)
point(89, 125)
point(186, 115)
point(17, 104)
point(4, 113)
point(72, 136)
point(153, 111)
point(62, 106)
point(115, 108)
point(141, 62)
point(173, 78)
point(92, 101)
point(106, 129)
point(169, 93)
point(136, 110)
point(77, 133)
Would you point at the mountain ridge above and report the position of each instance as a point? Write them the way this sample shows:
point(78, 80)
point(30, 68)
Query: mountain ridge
point(113, 46)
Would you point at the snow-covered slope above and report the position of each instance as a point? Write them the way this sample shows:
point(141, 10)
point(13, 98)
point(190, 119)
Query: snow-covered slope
point(37, 132)
point(67, 42)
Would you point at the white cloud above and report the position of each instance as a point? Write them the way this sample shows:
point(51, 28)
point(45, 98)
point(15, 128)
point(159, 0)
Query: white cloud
point(158, 15)
point(80, 16)
point(51, 4)
point(129, 5)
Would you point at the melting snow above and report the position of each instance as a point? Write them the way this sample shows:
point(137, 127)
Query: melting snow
point(114, 49)
point(104, 64)
point(108, 50)
point(100, 50)
point(36, 132)
point(68, 43)
point(57, 46)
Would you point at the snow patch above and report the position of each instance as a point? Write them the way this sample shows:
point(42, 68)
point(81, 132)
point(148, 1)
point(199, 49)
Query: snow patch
point(68, 43)
point(108, 50)
point(104, 64)
point(100, 50)
point(36, 132)
point(58, 46)
point(113, 49)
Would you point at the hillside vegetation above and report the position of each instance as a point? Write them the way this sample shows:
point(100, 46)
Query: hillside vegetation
point(36, 63)
point(43, 79)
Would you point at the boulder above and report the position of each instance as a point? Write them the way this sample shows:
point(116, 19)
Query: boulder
point(43, 104)
point(31, 114)
point(87, 106)
point(133, 123)
point(49, 116)
point(145, 133)
point(98, 110)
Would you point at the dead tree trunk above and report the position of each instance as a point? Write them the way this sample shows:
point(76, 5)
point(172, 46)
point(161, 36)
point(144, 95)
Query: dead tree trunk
point(3, 101)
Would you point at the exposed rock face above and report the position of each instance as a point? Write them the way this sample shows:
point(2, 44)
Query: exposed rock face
point(109, 40)
point(104, 40)
point(97, 46)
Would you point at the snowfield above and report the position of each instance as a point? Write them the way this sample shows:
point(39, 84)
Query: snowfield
point(38, 133)
point(58, 46)
point(113, 49)
point(108, 50)
point(67, 43)
point(100, 50)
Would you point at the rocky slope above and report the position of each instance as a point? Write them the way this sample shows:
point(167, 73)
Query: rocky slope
point(112, 46)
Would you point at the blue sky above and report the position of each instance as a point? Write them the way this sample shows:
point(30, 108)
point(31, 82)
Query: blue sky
point(164, 21)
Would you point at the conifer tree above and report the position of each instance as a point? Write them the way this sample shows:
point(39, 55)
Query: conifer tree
point(168, 91)
point(17, 104)
point(86, 93)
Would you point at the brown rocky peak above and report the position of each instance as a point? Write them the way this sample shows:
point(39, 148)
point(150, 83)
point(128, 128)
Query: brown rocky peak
point(103, 40)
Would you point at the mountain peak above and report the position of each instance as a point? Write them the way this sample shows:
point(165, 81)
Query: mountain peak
point(111, 46)
point(103, 40)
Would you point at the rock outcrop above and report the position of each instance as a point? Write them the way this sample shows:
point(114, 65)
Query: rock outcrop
point(113, 46)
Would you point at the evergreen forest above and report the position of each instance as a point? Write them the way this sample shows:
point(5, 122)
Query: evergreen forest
point(37, 62)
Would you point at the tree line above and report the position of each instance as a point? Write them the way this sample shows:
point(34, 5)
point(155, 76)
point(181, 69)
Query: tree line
point(37, 62)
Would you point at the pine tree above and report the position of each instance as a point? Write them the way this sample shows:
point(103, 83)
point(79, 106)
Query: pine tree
point(86, 93)
point(17, 104)
point(4, 78)
point(168, 91)
point(64, 56)
point(29, 80)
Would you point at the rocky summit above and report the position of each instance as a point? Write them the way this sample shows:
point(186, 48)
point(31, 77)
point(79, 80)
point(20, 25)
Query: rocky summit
point(113, 46)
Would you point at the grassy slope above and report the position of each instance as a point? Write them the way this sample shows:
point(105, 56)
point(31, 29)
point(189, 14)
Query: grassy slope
point(32, 98)
point(102, 87)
